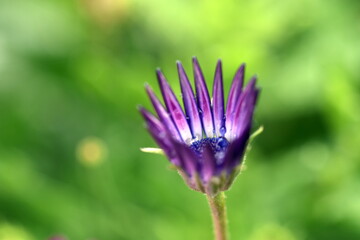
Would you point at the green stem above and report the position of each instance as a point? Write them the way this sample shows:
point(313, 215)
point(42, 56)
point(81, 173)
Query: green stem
point(218, 212)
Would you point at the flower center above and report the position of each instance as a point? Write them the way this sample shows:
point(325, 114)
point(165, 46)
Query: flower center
point(217, 144)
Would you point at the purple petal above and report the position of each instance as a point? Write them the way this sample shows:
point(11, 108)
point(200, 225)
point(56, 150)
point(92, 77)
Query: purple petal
point(160, 135)
point(235, 152)
point(234, 96)
point(243, 112)
point(174, 107)
point(163, 114)
point(218, 101)
point(188, 159)
point(189, 103)
point(208, 164)
point(203, 100)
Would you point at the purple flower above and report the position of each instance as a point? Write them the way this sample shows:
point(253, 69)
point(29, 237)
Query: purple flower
point(207, 141)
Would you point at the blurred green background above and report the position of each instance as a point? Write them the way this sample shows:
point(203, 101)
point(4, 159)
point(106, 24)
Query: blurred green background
point(72, 73)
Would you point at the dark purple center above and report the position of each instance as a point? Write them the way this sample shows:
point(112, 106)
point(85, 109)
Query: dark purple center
point(217, 145)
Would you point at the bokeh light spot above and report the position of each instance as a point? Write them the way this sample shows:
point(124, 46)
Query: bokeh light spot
point(91, 151)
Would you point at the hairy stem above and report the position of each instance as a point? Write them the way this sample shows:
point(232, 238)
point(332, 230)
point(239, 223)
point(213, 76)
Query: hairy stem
point(218, 212)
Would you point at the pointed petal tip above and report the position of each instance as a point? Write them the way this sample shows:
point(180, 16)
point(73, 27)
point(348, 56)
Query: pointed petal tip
point(218, 70)
point(242, 67)
point(252, 81)
point(146, 113)
point(182, 75)
point(160, 76)
point(149, 91)
point(159, 73)
point(196, 67)
point(195, 62)
point(148, 88)
point(179, 66)
point(239, 78)
point(181, 71)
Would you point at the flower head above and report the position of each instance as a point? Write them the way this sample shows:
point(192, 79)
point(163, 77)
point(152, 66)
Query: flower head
point(207, 141)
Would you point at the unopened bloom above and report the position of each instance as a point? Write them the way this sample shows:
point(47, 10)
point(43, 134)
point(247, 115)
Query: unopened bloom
point(207, 141)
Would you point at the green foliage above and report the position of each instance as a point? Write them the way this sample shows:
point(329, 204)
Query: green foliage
point(72, 73)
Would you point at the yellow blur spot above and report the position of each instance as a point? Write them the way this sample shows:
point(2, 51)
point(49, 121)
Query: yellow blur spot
point(106, 12)
point(91, 151)
point(11, 232)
